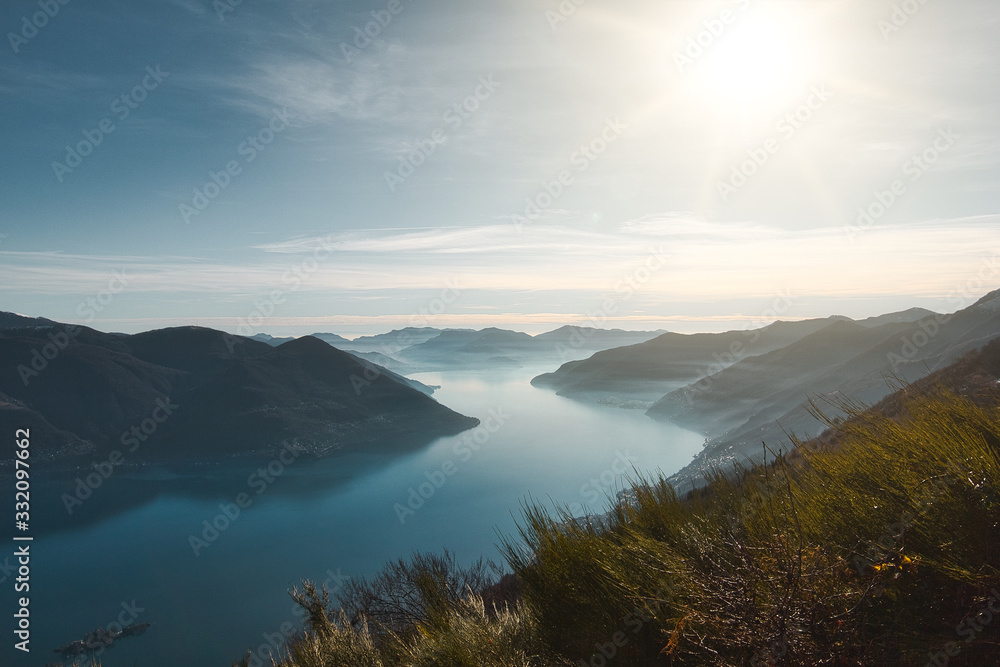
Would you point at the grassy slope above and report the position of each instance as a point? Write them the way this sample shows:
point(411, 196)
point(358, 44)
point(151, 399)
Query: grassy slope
point(877, 545)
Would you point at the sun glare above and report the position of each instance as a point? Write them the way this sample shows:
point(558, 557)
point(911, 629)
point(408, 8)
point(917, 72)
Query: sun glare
point(756, 64)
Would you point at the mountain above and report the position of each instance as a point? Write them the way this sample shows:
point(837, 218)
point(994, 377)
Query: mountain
point(333, 339)
point(413, 350)
point(370, 361)
point(501, 348)
point(990, 303)
point(910, 315)
point(85, 389)
point(568, 339)
point(308, 391)
point(199, 352)
point(975, 376)
point(468, 349)
point(642, 373)
point(338, 342)
point(397, 367)
point(392, 342)
point(17, 321)
point(201, 394)
point(761, 387)
point(764, 398)
point(270, 340)
point(57, 443)
point(385, 361)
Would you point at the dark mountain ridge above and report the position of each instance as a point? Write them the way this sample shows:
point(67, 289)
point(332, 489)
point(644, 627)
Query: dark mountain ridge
point(83, 392)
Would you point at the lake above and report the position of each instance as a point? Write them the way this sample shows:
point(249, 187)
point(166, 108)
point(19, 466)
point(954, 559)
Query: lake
point(341, 517)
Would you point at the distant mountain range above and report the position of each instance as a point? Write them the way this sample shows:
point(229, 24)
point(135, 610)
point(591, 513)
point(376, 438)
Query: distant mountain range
point(413, 350)
point(740, 388)
point(191, 394)
point(84, 392)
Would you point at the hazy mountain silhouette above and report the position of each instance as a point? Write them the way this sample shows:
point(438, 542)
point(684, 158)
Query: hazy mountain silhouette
point(385, 361)
point(763, 398)
point(392, 342)
point(647, 371)
point(414, 350)
point(468, 349)
point(499, 348)
point(975, 375)
point(909, 315)
point(761, 386)
point(271, 340)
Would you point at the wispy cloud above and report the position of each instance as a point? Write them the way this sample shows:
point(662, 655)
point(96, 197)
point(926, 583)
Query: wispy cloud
point(704, 260)
point(43, 81)
point(317, 89)
point(491, 239)
point(300, 64)
point(191, 6)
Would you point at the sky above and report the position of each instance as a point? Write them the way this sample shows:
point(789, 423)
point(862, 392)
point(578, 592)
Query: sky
point(353, 167)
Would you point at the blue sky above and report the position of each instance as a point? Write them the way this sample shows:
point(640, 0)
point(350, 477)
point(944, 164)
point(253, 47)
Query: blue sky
point(370, 175)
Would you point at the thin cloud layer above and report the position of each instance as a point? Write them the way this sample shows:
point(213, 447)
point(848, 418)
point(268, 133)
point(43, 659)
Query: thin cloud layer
point(694, 260)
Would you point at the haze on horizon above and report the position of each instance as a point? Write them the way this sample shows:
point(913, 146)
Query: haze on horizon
point(638, 165)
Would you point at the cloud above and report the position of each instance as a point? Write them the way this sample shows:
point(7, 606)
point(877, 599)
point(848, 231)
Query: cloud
point(489, 239)
point(703, 260)
point(41, 80)
point(302, 66)
point(191, 6)
point(321, 90)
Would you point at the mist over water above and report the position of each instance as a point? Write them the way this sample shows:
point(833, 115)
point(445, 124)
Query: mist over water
point(338, 516)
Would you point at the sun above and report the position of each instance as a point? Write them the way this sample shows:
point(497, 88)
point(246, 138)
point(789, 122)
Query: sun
point(754, 65)
point(752, 60)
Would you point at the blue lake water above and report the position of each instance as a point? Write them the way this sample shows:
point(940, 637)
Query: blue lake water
point(319, 520)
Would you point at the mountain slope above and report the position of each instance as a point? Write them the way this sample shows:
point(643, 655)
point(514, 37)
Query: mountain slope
point(87, 390)
point(18, 321)
point(228, 395)
point(909, 315)
point(975, 376)
point(392, 342)
point(571, 340)
point(649, 370)
point(763, 385)
point(338, 342)
point(308, 391)
point(763, 398)
point(464, 348)
point(197, 351)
